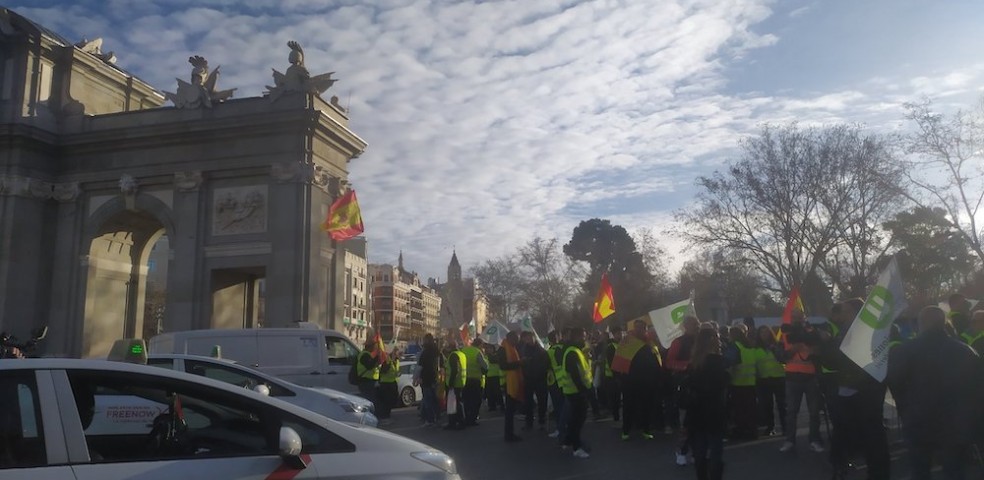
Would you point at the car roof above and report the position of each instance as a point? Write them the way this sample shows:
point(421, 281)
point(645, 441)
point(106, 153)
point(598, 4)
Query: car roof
point(188, 356)
point(113, 366)
point(225, 362)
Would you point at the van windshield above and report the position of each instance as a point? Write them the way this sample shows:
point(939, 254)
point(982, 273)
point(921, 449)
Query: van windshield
point(340, 351)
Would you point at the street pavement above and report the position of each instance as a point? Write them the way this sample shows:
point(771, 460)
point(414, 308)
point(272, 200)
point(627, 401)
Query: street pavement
point(481, 454)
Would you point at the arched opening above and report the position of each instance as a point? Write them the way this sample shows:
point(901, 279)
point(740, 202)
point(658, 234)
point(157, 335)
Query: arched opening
point(125, 293)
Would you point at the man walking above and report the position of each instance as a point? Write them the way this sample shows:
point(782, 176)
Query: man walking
point(477, 368)
point(937, 382)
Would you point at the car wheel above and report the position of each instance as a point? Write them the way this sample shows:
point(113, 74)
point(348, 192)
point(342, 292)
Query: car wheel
point(407, 396)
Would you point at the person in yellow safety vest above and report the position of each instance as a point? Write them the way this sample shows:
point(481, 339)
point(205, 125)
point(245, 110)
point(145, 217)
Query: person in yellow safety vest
point(974, 336)
point(610, 384)
point(478, 367)
point(771, 382)
point(367, 369)
point(555, 382)
point(387, 392)
point(576, 390)
point(455, 368)
point(493, 380)
point(742, 400)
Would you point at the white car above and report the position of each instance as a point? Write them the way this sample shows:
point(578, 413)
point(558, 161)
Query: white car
point(95, 419)
point(324, 401)
point(409, 393)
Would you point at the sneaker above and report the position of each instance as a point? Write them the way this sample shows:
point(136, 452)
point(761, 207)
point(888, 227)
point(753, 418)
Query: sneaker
point(816, 447)
point(554, 434)
point(580, 453)
point(647, 435)
point(787, 446)
point(625, 437)
point(681, 459)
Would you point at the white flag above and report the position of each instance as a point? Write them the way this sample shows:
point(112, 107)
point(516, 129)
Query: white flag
point(494, 333)
point(668, 321)
point(526, 325)
point(866, 342)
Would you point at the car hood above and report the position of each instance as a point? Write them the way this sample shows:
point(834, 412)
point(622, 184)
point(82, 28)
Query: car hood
point(337, 395)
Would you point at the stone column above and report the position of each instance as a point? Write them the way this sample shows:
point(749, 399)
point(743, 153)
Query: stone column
point(67, 289)
point(185, 279)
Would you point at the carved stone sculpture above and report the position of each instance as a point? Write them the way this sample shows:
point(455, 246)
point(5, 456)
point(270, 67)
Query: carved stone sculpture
point(297, 79)
point(129, 187)
point(94, 47)
point(201, 91)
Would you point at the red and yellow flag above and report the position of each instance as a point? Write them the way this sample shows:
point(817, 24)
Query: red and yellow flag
point(380, 348)
point(604, 304)
point(344, 218)
point(794, 303)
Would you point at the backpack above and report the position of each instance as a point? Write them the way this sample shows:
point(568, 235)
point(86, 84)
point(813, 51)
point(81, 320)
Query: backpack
point(353, 374)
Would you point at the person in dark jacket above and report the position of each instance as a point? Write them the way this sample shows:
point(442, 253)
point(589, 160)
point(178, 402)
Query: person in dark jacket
point(535, 369)
point(639, 385)
point(937, 382)
point(704, 396)
point(858, 400)
point(428, 365)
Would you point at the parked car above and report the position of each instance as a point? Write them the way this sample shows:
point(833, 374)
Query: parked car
point(410, 394)
point(306, 355)
point(325, 401)
point(96, 419)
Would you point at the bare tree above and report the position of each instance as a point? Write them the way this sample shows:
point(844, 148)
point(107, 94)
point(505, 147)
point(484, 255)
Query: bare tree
point(552, 280)
point(790, 199)
point(653, 253)
point(947, 166)
point(502, 282)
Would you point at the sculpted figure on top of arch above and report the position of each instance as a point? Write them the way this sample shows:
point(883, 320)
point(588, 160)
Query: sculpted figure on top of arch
point(298, 78)
point(201, 91)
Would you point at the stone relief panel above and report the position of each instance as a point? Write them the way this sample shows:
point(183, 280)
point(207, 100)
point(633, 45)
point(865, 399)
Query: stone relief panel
point(239, 210)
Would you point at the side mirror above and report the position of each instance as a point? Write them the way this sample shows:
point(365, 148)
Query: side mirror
point(262, 389)
point(290, 448)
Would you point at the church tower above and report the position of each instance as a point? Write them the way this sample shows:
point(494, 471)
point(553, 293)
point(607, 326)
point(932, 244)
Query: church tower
point(451, 298)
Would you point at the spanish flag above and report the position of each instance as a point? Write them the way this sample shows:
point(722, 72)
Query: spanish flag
point(380, 347)
point(794, 303)
point(604, 304)
point(344, 218)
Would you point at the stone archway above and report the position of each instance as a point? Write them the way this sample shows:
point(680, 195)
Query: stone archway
point(119, 247)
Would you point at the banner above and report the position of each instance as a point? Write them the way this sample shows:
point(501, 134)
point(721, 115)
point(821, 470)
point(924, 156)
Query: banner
point(866, 342)
point(494, 333)
point(526, 325)
point(668, 321)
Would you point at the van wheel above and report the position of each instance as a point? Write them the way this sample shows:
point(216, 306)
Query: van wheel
point(408, 396)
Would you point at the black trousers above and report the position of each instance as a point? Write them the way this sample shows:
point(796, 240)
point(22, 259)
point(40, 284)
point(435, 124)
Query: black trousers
point(472, 400)
point(772, 396)
point(511, 406)
point(613, 395)
point(578, 404)
point(458, 418)
point(639, 399)
point(493, 393)
point(744, 410)
point(538, 390)
point(388, 396)
point(863, 428)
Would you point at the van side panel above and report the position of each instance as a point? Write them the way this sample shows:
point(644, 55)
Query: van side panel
point(163, 343)
point(293, 356)
point(240, 348)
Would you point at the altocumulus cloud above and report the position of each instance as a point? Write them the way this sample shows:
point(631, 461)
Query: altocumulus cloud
point(490, 122)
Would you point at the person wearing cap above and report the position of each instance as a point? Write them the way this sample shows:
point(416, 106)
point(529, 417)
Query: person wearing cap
point(477, 368)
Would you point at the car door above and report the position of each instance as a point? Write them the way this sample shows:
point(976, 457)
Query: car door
point(203, 432)
point(31, 443)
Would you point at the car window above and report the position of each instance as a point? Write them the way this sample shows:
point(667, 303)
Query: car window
point(21, 435)
point(340, 351)
point(233, 376)
point(406, 369)
point(161, 362)
point(128, 417)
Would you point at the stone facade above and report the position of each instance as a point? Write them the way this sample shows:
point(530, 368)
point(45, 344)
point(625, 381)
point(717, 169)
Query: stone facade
point(95, 171)
point(356, 318)
point(402, 304)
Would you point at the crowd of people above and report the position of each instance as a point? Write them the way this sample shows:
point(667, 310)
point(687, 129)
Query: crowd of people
point(718, 384)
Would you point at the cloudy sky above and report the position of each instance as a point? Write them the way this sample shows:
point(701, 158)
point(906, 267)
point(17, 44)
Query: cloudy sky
point(491, 122)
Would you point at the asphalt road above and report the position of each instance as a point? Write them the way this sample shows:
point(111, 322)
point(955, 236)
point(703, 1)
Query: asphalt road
point(481, 454)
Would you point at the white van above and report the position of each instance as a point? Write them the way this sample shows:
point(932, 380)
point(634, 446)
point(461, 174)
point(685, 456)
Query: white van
point(306, 355)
